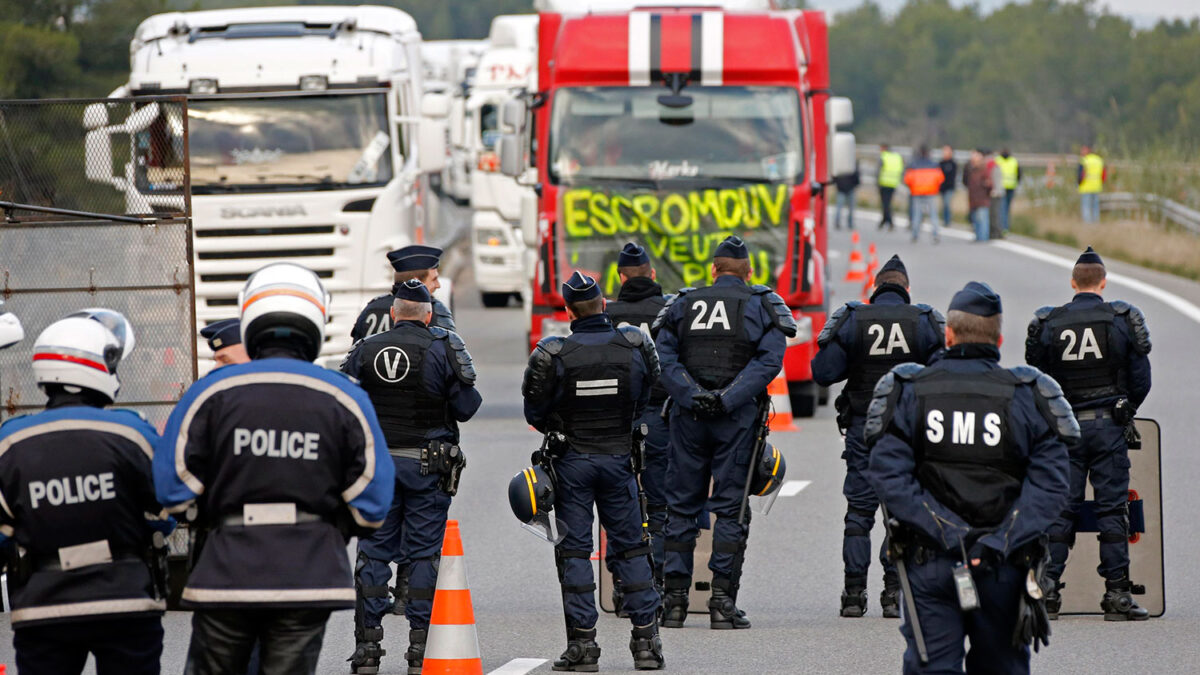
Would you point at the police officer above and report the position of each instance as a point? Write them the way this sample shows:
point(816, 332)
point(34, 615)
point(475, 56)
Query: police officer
point(422, 382)
point(638, 303)
point(78, 500)
point(861, 343)
point(720, 346)
point(225, 340)
point(411, 262)
point(591, 387)
point(284, 460)
point(1099, 352)
point(971, 459)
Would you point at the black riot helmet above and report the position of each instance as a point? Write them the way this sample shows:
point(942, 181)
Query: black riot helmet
point(531, 496)
point(768, 475)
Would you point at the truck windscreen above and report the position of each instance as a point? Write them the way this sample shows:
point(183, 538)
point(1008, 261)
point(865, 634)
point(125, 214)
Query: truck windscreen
point(278, 143)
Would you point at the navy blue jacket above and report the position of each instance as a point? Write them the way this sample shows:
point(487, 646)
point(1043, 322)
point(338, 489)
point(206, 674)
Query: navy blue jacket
point(760, 329)
point(1040, 441)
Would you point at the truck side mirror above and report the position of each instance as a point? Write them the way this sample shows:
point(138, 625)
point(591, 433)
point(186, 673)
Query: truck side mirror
point(529, 218)
point(512, 158)
point(841, 154)
point(95, 116)
point(141, 119)
point(512, 115)
point(839, 112)
point(435, 106)
point(431, 145)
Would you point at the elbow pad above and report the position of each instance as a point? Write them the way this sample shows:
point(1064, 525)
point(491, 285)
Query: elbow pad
point(781, 314)
point(883, 401)
point(1137, 324)
point(539, 374)
point(835, 322)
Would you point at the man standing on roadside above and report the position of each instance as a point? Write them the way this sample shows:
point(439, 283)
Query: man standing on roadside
point(1091, 176)
point(891, 170)
point(949, 175)
point(924, 181)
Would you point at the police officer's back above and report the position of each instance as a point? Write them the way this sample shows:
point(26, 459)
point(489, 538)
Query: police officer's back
point(720, 347)
point(78, 503)
point(591, 386)
point(284, 460)
point(1099, 352)
point(411, 262)
point(971, 459)
point(859, 344)
point(422, 382)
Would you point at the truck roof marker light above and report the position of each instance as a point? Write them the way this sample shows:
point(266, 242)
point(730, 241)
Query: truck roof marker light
point(203, 86)
point(314, 83)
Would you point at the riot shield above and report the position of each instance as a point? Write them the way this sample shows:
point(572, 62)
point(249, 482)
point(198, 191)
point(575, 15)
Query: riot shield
point(1084, 587)
point(701, 575)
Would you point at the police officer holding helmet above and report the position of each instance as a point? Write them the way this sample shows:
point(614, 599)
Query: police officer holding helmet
point(859, 344)
point(591, 387)
point(638, 303)
point(1099, 352)
point(225, 340)
point(411, 262)
point(720, 347)
point(78, 502)
point(422, 382)
point(284, 461)
point(971, 459)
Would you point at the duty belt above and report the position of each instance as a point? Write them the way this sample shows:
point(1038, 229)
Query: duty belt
point(408, 453)
point(74, 557)
point(271, 514)
point(1094, 414)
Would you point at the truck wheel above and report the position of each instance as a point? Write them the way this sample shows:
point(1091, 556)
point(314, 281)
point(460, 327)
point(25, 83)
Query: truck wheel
point(495, 299)
point(804, 396)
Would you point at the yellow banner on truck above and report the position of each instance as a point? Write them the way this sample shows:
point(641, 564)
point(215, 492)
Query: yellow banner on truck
point(679, 228)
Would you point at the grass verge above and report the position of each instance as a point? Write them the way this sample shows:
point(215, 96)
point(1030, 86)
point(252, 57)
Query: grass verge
point(1142, 243)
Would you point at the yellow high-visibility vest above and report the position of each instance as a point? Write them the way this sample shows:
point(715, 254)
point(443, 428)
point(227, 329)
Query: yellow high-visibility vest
point(891, 169)
point(1093, 174)
point(1010, 168)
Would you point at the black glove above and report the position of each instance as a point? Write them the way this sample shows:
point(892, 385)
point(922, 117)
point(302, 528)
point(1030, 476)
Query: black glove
point(708, 405)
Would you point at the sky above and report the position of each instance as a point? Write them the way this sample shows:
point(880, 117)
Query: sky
point(1142, 12)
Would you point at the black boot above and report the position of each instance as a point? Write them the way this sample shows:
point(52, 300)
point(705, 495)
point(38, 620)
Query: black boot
point(854, 597)
point(416, 650)
point(582, 655)
point(1118, 603)
point(889, 599)
point(675, 602)
point(646, 647)
point(723, 613)
point(365, 659)
point(1054, 601)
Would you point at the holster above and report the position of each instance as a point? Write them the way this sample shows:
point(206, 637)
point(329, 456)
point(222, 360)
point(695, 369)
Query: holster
point(447, 460)
point(842, 405)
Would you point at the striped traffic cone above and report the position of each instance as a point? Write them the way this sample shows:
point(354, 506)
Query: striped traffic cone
point(781, 420)
point(872, 268)
point(453, 646)
point(858, 267)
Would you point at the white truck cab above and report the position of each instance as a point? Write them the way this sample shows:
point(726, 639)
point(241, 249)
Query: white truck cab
point(450, 67)
point(308, 139)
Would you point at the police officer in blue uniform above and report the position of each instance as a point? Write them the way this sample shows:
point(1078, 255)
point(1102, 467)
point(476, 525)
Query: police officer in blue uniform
point(638, 303)
point(78, 501)
point(283, 460)
point(225, 340)
point(720, 347)
point(591, 387)
point(971, 459)
point(859, 344)
point(1099, 352)
point(411, 262)
point(422, 382)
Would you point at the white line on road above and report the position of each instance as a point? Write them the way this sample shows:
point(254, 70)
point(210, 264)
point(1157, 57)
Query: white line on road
point(792, 488)
point(518, 667)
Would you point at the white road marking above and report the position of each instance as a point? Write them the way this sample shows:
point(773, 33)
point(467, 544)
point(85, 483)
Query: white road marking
point(791, 488)
point(518, 667)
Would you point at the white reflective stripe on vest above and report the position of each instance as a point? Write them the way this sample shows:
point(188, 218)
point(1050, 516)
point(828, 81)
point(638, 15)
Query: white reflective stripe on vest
point(93, 608)
point(298, 595)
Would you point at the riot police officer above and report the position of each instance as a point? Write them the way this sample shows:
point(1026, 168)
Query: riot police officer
point(638, 303)
point(422, 382)
point(284, 461)
point(971, 459)
point(860, 343)
point(591, 387)
point(79, 504)
point(720, 347)
point(225, 340)
point(1099, 352)
point(411, 262)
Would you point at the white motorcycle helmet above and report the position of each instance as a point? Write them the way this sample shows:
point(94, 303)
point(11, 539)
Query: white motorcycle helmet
point(284, 302)
point(82, 351)
point(11, 331)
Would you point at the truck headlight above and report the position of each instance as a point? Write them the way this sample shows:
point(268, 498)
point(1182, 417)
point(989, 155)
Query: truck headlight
point(314, 83)
point(490, 236)
point(804, 333)
point(555, 328)
point(203, 86)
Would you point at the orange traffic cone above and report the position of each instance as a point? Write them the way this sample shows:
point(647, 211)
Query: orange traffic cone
point(858, 267)
point(872, 267)
point(781, 420)
point(453, 646)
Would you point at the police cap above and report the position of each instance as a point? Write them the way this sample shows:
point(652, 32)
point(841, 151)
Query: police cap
point(222, 334)
point(411, 290)
point(580, 287)
point(894, 264)
point(976, 298)
point(415, 257)
point(732, 247)
point(1089, 257)
point(632, 256)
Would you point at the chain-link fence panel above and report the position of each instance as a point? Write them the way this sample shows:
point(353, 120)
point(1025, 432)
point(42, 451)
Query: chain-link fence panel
point(124, 157)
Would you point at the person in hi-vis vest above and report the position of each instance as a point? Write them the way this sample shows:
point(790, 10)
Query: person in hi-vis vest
point(891, 171)
point(1091, 176)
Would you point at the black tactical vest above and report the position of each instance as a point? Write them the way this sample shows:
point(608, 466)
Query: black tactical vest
point(391, 375)
point(714, 346)
point(375, 318)
point(966, 455)
point(1083, 354)
point(641, 313)
point(597, 403)
point(886, 337)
